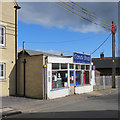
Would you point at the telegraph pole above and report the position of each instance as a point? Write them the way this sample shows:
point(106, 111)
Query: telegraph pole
point(23, 47)
point(113, 55)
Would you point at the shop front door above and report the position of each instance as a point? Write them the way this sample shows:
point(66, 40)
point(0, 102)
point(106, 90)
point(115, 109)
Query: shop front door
point(71, 82)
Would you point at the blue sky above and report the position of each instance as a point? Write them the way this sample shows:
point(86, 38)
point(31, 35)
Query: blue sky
point(67, 35)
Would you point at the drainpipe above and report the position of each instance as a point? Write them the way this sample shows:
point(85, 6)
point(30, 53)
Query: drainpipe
point(24, 77)
point(16, 57)
point(45, 79)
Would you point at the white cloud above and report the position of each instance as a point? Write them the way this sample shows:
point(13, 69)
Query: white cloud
point(51, 15)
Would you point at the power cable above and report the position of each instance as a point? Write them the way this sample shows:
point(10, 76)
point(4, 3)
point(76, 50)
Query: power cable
point(80, 16)
point(88, 12)
point(101, 44)
point(58, 42)
point(91, 16)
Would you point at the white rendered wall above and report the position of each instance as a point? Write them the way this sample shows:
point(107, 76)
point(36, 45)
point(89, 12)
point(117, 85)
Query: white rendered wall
point(83, 89)
point(49, 78)
point(93, 77)
point(52, 59)
point(58, 93)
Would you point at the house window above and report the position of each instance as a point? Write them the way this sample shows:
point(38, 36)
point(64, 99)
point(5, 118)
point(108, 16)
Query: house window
point(2, 36)
point(2, 70)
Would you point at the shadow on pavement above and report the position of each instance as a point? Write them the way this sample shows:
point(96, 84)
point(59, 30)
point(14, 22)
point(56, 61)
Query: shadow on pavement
point(69, 114)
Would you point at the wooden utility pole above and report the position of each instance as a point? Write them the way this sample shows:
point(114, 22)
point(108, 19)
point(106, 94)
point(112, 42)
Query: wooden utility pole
point(23, 47)
point(113, 55)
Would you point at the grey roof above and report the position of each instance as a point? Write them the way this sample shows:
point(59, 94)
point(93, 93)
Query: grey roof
point(34, 52)
point(106, 63)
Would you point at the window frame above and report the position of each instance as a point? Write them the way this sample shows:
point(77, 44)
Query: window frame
point(72, 65)
point(4, 36)
point(57, 71)
point(4, 71)
point(63, 64)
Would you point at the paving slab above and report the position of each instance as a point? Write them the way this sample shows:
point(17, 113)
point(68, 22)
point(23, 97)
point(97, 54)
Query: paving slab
point(9, 111)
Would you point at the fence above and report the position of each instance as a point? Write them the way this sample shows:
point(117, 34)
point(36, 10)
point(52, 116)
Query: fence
point(103, 82)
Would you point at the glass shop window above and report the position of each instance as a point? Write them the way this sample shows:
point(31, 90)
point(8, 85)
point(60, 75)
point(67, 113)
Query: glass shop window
point(63, 66)
point(77, 66)
point(87, 77)
point(72, 77)
point(82, 67)
point(55, 66)
point(59, 79)
point(79, 78)
point(87, 67)
point(71, 66)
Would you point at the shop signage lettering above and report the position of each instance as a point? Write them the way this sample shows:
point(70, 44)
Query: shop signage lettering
point(81, 58)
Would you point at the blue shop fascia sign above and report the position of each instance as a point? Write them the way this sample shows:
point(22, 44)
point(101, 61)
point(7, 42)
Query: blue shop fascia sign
point(81, 58)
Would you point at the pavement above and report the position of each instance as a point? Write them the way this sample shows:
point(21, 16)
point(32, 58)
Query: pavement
point(17, 105)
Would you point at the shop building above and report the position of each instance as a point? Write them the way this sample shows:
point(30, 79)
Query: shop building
point(52, 76)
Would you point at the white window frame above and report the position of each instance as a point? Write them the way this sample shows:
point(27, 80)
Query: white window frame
point(2, 36)
point(2, 77)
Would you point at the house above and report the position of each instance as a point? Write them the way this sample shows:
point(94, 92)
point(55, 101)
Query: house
point(8, 47)
point(104, 65)
point(47, 76)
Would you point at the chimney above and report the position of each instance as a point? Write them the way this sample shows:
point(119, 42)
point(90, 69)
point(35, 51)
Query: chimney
point(102, 55)
point(62, 54)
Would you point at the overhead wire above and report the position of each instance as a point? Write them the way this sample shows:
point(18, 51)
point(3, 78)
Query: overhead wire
point(85, 12)
point(58, 42)
point(80, 15)
point(89, 12)
point(101, 44)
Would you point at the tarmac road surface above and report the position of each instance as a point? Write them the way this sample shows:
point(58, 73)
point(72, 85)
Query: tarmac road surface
point(92, 106)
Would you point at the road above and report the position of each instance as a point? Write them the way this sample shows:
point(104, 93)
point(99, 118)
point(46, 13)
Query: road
point(105, 106)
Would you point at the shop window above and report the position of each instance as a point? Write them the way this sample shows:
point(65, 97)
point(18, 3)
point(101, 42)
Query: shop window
point(87, 67)
point(79, 78)
point(82, 67)
point(2, 70)
point(63, 66)
point(2, 36)
point(72, 77)
point(87, 77)
point(71, 66)
point(55, 66)
point(59, 79)
point(77, 66)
